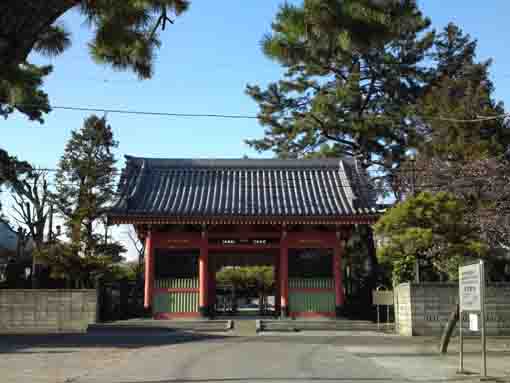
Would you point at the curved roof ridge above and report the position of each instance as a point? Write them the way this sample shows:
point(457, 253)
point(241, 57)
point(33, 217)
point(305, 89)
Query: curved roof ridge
point(234, 162)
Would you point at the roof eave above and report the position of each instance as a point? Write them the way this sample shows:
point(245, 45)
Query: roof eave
point(116, 219)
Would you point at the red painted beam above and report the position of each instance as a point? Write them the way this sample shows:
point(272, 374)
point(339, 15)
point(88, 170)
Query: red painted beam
point(203, 273)
point(311, 234)
point(312, 240)
point(244, 235)
point(284, 276)
point(176, 240)
point(149, 271)
point(243, 247)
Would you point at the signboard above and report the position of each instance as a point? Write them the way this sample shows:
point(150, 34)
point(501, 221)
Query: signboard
point(472, 298)
point(383, 298)
point(473, 322)
point(470, 283)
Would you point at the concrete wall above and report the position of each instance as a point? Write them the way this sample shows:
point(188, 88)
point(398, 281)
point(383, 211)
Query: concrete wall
point(46, 311)
point(423, 309)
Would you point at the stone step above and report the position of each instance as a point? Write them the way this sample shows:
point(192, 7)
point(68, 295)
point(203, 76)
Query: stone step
point(244, 327)
point(162, 325)
point(330, 325)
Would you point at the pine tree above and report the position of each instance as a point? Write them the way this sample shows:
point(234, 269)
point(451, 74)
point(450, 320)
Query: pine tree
point(464, 158)
point(354, 70)
point(461, 90)
point(125, 36)
point(85, 186)
point(11, 169)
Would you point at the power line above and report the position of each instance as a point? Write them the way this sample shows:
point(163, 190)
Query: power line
point(145, 113)
point(478, 118)
point(246, 116)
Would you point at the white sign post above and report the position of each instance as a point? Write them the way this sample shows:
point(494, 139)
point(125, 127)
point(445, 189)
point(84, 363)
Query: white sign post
point(472, 299)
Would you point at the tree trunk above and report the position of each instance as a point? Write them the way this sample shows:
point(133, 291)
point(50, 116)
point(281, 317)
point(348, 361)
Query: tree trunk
point(448, 330)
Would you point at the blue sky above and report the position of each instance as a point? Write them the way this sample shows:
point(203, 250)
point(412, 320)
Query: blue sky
point(207, 58)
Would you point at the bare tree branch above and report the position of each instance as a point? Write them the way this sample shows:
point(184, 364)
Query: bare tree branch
point(137, 244)
point(31, 198)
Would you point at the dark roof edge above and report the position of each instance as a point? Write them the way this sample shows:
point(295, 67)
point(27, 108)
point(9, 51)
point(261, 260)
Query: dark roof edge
point(146, 218)
point(236, 163)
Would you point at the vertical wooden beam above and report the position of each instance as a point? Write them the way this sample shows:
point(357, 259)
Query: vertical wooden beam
point(338, 275)
point(149, 270)
point(203, 274)
point(284, 274)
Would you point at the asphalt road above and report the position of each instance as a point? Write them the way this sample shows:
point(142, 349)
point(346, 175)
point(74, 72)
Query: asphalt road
point(159, 358)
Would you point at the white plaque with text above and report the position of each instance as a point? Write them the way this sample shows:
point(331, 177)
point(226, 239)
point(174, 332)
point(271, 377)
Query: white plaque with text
point(470, 283)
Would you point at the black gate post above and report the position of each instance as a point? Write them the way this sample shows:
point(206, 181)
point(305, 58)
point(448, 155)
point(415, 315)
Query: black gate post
point(124, 299)
point(99, 298)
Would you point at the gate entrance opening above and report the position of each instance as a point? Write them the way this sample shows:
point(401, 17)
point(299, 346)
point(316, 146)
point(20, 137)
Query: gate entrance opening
point(244, 284)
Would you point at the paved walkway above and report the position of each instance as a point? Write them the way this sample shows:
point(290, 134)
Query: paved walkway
point(175, 357)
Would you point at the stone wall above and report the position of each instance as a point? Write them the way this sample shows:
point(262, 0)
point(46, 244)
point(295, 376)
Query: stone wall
point(423, 309)
point(46, 311)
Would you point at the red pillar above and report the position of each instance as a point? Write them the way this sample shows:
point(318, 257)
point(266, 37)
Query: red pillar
point(338, 274)
point(203, 275)
point(284, 276)
point(149, 271)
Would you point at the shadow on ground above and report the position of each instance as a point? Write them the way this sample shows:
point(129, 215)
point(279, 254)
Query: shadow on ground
point(156, 337)
point(128, 340)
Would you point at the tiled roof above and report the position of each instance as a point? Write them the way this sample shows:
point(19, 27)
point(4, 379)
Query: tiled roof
point(196, 188)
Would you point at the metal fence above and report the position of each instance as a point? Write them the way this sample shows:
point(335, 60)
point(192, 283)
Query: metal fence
point(120, 300)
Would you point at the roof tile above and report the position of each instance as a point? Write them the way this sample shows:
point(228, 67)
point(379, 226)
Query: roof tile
point(246, 188)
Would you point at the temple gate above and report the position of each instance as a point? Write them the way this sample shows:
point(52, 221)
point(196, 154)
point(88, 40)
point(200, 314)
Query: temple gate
point(191, 213)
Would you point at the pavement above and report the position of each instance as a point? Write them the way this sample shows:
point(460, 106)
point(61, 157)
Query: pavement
point(173, 356)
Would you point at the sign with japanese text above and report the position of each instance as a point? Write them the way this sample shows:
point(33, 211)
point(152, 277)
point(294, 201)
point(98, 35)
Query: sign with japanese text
point(470, 286)
point(383, 298)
